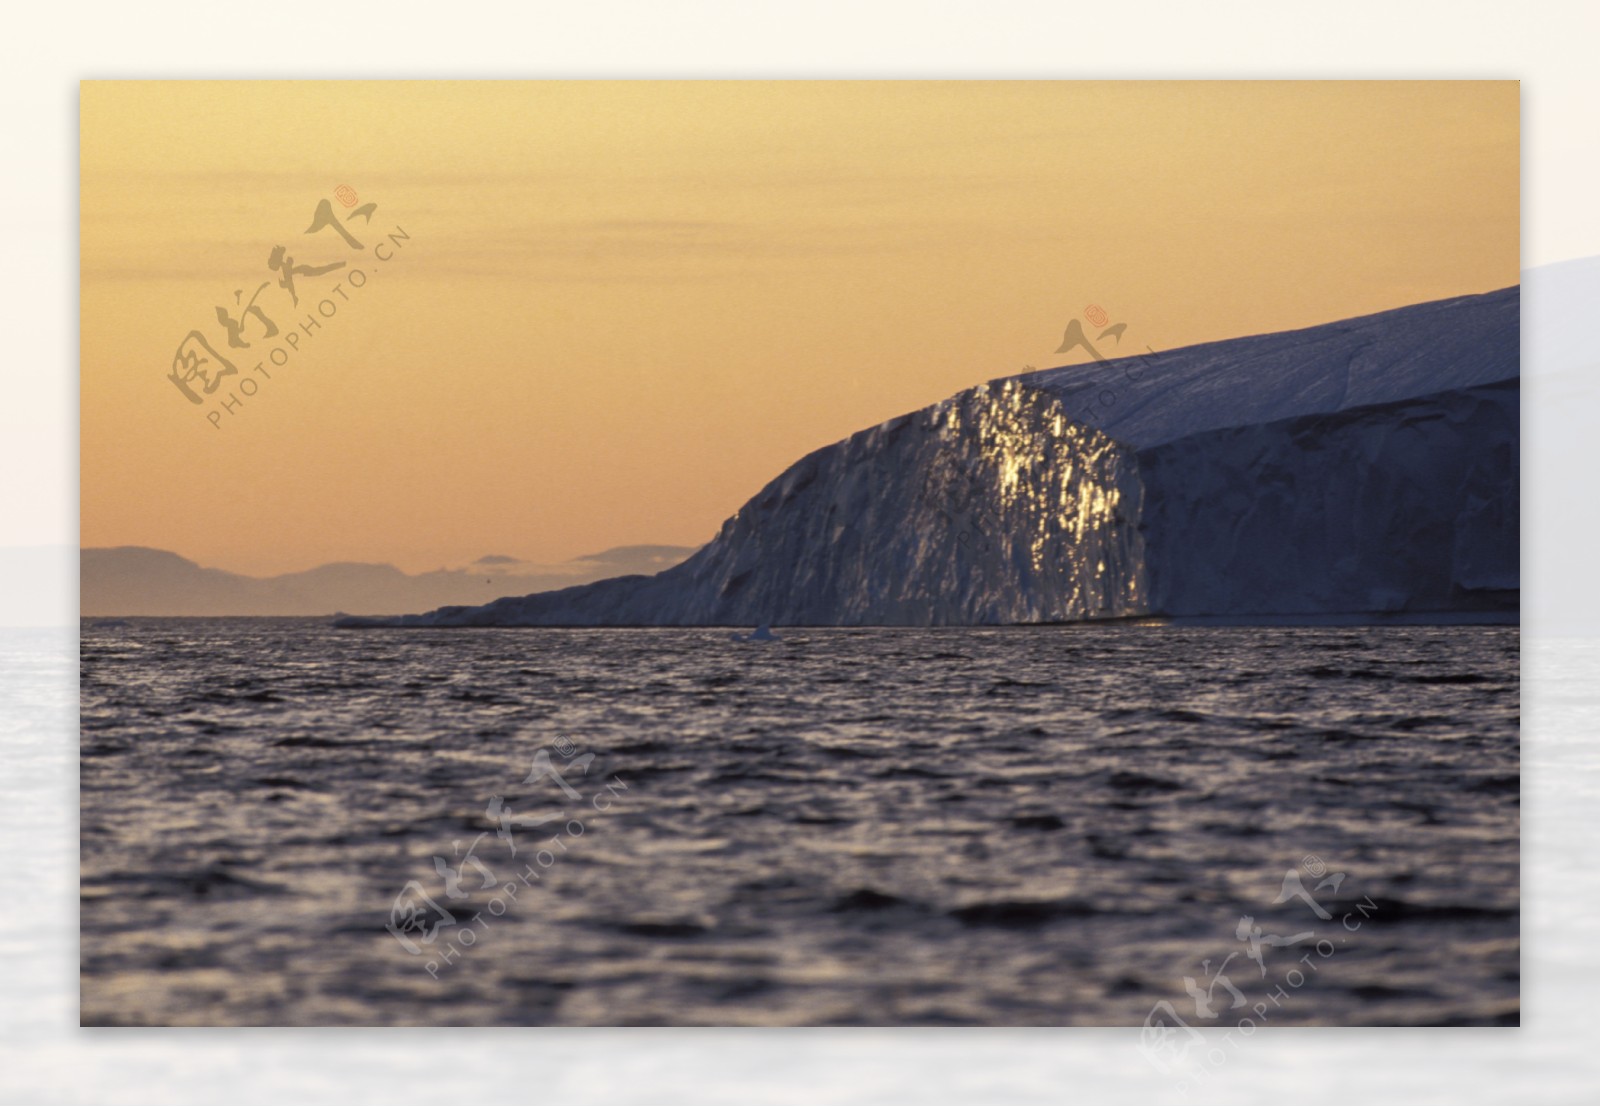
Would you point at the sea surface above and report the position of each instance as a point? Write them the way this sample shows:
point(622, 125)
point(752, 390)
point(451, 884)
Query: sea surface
point(1001, 827)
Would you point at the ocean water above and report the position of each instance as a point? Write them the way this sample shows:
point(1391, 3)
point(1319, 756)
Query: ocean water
point(1020, 826)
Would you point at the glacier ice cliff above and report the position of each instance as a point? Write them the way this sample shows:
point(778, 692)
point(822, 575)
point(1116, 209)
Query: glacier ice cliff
point(1367, 467)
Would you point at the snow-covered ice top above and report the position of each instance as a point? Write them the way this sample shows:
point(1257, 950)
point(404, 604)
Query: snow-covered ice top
point(1373, 359)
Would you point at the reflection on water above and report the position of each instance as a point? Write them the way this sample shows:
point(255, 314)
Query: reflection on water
point(998, 827)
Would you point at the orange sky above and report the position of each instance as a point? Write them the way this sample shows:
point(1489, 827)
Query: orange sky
point(625, 306)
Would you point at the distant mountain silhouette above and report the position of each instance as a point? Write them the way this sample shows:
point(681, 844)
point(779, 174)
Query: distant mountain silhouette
point(138, 580)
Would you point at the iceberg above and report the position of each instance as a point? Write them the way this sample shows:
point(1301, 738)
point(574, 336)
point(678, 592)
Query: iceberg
point(1367, 468)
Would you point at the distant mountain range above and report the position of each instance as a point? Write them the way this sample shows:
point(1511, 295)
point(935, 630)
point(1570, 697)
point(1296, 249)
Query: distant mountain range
point(138, 580)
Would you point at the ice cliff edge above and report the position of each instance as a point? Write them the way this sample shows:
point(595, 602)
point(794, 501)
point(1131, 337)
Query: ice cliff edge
point(1363, 467)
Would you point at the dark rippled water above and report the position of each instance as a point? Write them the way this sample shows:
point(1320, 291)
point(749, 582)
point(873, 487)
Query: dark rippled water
point(996, 827)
